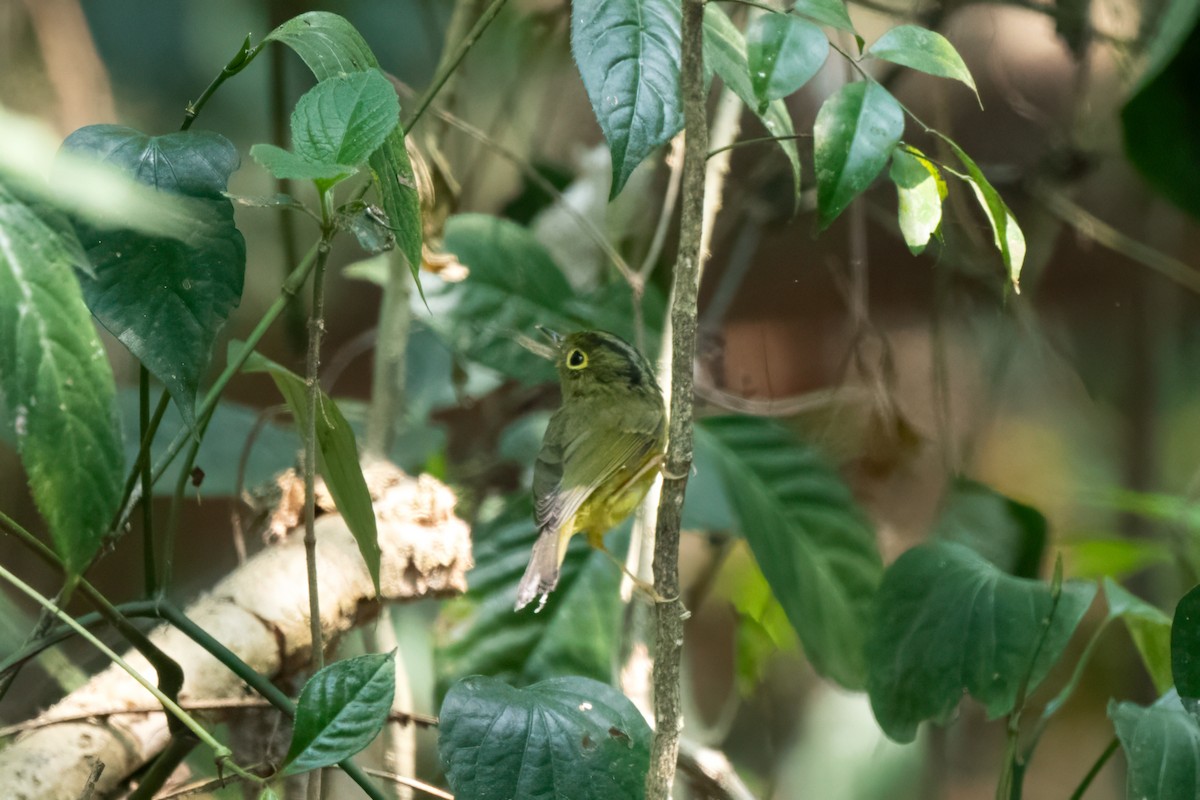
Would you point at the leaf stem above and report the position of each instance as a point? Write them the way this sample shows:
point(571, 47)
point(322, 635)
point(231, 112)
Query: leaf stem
point(243, 57)
point(757, 140)
point(669, 615)
point(447, 67)
point(1101, 760)
point(149, 570)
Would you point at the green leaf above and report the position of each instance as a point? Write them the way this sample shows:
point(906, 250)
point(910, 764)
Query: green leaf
point(337, 455)
point(826, 12)
point(725, 51)
point(1007, 235)
point(813, 544)
point(1115, 558)
point(1159, 120)
point(921, 190)
point(947, 620)
point(783, 53)
point(513, 285)
point(628, 55)
point(331, 46)
point(565, 737)
point(923, 50)
point(167, 299)
point(1009, 534)
point(287, 165)
point(1160, 744)
point(855, 132)
point(575, 634)
point(57, 387)
point(344, 119)
point(341, 710)
point(1149, 628)
point(763, 631)
point(1185, 646)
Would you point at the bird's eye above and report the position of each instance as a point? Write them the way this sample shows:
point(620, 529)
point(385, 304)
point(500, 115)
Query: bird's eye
point(577, 359)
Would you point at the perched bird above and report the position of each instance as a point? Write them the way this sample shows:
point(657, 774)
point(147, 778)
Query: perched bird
point(602, 450)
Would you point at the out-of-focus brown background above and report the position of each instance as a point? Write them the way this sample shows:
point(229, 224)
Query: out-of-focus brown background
point(1082, 385)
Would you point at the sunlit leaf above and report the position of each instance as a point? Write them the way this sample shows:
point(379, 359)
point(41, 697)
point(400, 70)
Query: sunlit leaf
point(923, 50)
point(564, 737)
point(921, 191)
point(1149, 628)
point(628, 55)
point(57, 387)
point(1007, 235)
point(855, 132)
point(946, 621)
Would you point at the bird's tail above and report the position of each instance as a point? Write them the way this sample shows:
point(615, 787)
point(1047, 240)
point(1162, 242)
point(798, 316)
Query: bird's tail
point(541, 576)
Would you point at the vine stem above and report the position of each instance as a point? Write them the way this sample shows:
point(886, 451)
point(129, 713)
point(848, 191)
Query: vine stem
point(669, 616)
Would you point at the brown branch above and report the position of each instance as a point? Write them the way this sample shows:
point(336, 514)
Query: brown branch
point(669, 615)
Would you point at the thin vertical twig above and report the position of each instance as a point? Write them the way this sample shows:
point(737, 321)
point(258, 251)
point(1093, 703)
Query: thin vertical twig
point(669, 615)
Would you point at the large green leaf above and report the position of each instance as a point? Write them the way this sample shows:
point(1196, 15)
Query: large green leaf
point(924, 50)
point(783, 53)
point(337, 455)
point(1161, 745)
point(575, 634)
point(1006, 233)
point(343, 120)
point(921, 190)
point(57, 387)
point(565, 737)
point(947, 620)
point(725, 52)
point(855, 132)
point(1159, 121)
point(628, 55)
point(166, 299)
point(1149, 628)
point(331, 47)
point(812, 542)
point(1185, 646)
point(341, 710)
point(1011, 535)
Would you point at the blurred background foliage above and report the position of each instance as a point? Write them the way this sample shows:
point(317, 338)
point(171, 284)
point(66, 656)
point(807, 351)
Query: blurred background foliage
point(1077, 401)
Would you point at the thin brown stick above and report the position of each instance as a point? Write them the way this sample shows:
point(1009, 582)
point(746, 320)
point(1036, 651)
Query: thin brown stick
point(669, 616)
point(412, 783)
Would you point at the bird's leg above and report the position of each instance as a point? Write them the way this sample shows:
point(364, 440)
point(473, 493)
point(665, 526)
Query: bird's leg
point(644, 587)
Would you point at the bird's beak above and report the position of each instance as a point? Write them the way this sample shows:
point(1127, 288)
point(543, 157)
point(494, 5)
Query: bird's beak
point(555, 337)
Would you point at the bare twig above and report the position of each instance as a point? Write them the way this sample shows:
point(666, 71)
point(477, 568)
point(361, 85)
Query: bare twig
point(412, 783)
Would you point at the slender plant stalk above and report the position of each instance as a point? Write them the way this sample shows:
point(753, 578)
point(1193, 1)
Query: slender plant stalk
point(1084, 784)
point(149, 571)
point(391, 348)
point(670, 615)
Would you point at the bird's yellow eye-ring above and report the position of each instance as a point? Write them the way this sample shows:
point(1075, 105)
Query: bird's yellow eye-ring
point(577, 359)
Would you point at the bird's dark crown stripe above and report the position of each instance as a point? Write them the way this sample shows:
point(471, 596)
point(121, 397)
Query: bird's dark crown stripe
point(620, 346)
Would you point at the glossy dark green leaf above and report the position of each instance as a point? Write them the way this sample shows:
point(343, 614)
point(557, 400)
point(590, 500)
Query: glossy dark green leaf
point(1159, 120)
point(337, 456)
point(1006, 233)
point(1149, 628)
point(946, 621)
point(575, 634)
point(341, 710)
point(783, 53)
point(57, 386)
point(166, 299)
point(855, 133)
point(628, 55)
point(1185, 646)
point(812, 542)
point(826, 12)
point(921, 190)
point(564, 737)
point(512, 286)
point(1011, 535)
point(1160, 744)
point(331, 46)
point(923, 50)
point(284, 164)
point(344, 119)
point(725, 52)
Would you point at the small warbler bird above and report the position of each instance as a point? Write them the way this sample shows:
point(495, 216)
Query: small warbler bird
point(601, 452)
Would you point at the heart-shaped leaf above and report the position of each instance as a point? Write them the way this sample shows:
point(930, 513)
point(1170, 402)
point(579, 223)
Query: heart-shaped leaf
point(57, 386)
point(564, 737)
point(1185, 646)
point(812, 542)
point(783, 52)
point(855, 132)
point(947, 620)
point(1011, 535)
point(1160, 744)
point(628, 55)
point(341, 710)
point(166, 299)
